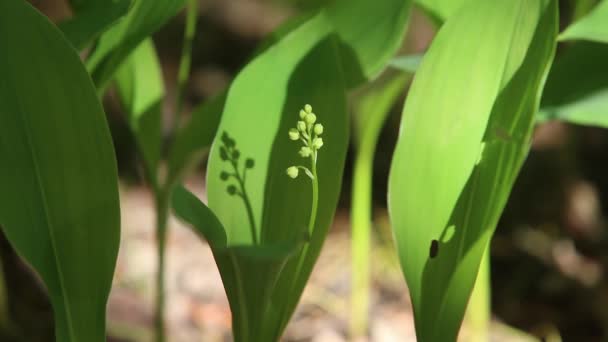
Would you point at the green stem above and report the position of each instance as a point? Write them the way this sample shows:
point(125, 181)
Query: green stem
point(361, 222)
point(315, 194)
point(162, 210)
point(479, 309)
point(373, 109)
point(186, 59)
point(302, 256)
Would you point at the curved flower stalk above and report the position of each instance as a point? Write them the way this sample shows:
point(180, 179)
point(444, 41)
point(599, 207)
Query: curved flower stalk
point(258, 284)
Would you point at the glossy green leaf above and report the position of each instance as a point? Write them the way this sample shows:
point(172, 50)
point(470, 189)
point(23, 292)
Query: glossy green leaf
point(591, 27)
point(262, 104)
point(141, 89)
point(466, 130)
point(92, 20)
point(59, 206)
point(115, 45)
point(577, 86)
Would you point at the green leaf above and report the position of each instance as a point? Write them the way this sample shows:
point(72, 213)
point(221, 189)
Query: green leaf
point(370, 33)
point(91, 21)
point(59, 205)
point(591, 27)
point(249, 272)
point(262, 104)
point(115, 45)
point(440, 10)
point(191, 210)
point(195, 137)
point(141, 89)
point(577, 86)
point(466, 130)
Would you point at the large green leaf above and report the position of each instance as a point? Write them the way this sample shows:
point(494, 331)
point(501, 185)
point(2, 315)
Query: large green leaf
point(91, 21)
point(115, 45)
point(261, 105)
point(592, 27)
point(369, 32)
point(141, 89)
point(466, 130)
point(577, 86)
point(59, 205)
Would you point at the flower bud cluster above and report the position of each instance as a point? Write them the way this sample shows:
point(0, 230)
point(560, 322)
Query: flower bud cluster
point(309, 132)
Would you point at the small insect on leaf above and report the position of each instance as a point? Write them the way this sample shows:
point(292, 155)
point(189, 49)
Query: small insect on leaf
point(434, 249)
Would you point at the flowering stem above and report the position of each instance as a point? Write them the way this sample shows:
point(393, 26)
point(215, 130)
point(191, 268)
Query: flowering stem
point(315, 194)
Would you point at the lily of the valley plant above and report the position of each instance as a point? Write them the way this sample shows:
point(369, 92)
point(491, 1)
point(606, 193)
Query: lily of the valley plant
point(253, 273)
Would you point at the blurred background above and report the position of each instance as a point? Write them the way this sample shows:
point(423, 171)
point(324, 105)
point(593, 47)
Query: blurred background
point(549, 254)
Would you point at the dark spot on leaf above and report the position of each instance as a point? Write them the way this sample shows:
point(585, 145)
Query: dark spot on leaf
point(434, 249)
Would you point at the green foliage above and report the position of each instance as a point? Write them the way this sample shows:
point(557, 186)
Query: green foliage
point(465, 132)
point(370, 32)
point(140, 86)
point(440, 10)
point(92, 20)
point(592, 27)
point(302, 67)
point(59, 205)
point(115, 45)
point(577, 86)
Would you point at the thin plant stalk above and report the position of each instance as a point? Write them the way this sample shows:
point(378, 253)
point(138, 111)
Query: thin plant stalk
point(361, 220)
point(185, 60)
point(162, 193)
point(372, 110)
point(162, 212)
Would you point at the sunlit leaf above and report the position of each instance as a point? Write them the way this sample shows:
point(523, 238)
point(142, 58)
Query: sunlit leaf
point(141, 89)
point(369, 34)
point(59, 206)
point(465, 132)
point(591, 27)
